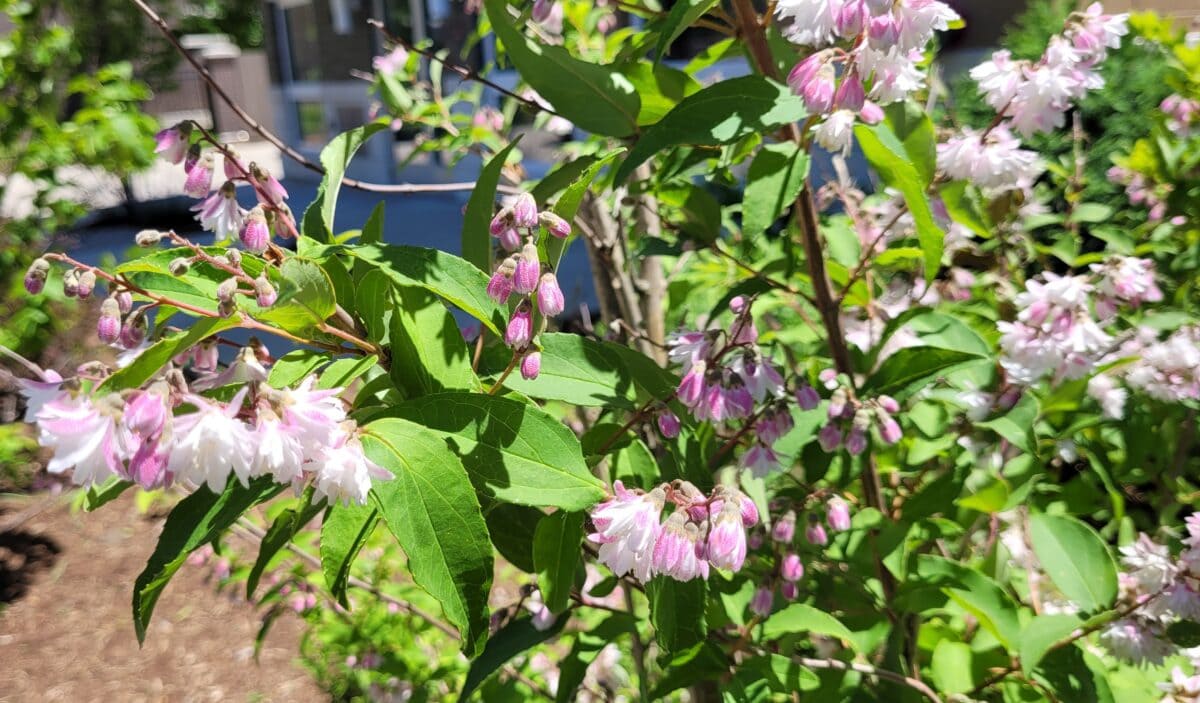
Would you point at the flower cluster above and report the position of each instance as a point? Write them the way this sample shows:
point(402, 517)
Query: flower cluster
point(1142, 191)
point(1030, 97)
point(168, 434)
point(700, 532)
point(727, 378)
point(850, 418)
point(886, 40)
point(1162, 590)
point(522, 274)
point(1183, 115)
point(1168, 370)
point(219, 211)
point(789, 569)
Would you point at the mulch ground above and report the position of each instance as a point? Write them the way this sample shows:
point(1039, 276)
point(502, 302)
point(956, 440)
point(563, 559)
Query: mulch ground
point(65, 628)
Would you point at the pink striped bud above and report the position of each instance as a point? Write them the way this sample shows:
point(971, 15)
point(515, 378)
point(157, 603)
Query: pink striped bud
point(837, 512)
point(133, 332)
point(762, 601)
point(541, 10)
point(501, 222)
point(525, 277)
point(87, 283)
point(691, 386)
point(108, 327)
point(255, 234)
point(791, 569)
point(199, 178)
point(807, 397)
point(124, 301)
point(554, 224)
point(727, 539)
point(749, 511)
point(519, 332)
point(233, 166)
point(850, 94)
point(884, 31)
point(668, 424)
point(525, 212)
point(264, 292)
point(784, 530)
point(531, 365)
point(889, 429)
point(856, 441)
point(510, 239)
point(550, 296)
point(888, 403)
point(500, 286)
point(870, 113)
point(815, 534)
point(851, 18)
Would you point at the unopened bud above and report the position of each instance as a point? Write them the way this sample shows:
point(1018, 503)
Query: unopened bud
point(226, 290)
point(761, 602)
point(87, 283)
point(179, 266)
point(668, 424)
point(264, 292)
point(256, 234)
point(791, 568)
point(524, 211)
point(525, 277)
point(837, 404)
point(785, 528)
point(549, 295)
point(554, 224)
point(815, 534)
point(108, 327)
point(807, 397)
point(838, 514)
point(234, 256)
point(531, 365)
point(35, 276)
point(71, 283)
point(501, 222)
point(133, 332)
point(148, 237)
point(125, 301)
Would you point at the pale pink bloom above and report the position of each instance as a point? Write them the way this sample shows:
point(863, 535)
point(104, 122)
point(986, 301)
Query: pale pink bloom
point(1134, 641)
point(836, 132)
point(688, 348)
point(995, 162)
point(627, 528)
point(84, 435)
point(814, 79)
point(210, 442)
point(269, 191)
point(1169, 370)
point(343, 472)
point(220, 213)
point(1128, 279)
point(1181, 688)
point(675, 550)
point(998, 79)
point(726, 546)
point(809, 22)
point(1149, 563)
point(894, 74)
point(172, 143)
point(691, 386)
point(758, 375)
point(278, 450)
point(541, 617)
point(314, 416)
point(245, 368)
point(919, 19)
point(392, 62)
point(760, 459)
point(1111, 397)
point(40, 392)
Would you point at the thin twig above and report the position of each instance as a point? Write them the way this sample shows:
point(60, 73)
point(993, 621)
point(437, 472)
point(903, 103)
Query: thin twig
point(869, 670)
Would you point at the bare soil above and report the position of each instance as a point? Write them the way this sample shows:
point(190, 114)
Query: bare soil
point(65, 628)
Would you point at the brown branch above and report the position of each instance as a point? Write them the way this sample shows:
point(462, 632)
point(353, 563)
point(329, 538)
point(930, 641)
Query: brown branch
point(869, 670)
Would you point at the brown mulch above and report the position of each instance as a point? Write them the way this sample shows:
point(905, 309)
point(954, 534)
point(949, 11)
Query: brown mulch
point(66, 633)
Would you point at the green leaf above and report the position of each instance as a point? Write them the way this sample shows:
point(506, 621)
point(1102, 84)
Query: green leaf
point(193, 522)
point(579, 371)
point(963, 203)
point(659, 87)
point(293, 367)
point(1075, 559)
point(1040, 634)
point(588, 644)
point(428, 352)
point(150, 361)
point(635, 465)
point(513, 451)
point(281, 531)
point(950, 667)
point(96, 496)
point(567, 205)
point(344, 531)
point(912, 368)
point(372, 231)
point(1073, 674)
point(512, 528)
point(1016, 425)
point(1185, 633)
point(306, 297)
point(431, 508)
point(476, 239)
point(517, 636)
point(560, 177)
point(975, 593)
point(799, 617)
point(594, 97)
point(556, 551)
point(992, 498)
point(887, 154)
point(343, 372)
point(721, 113)
point(683, 13)
point(912, 126)
point(677, 612)
point(454, 280)
point(335, 157)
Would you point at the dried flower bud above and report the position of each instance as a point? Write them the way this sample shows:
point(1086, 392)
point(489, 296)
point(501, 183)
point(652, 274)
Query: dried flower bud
point(226, 290)
point(35, 276)
point(554, 224)
point(148, 237)
point(264, 292)
point(71, 283)
point(108, 327)
point(179, 266)
point(531, 365)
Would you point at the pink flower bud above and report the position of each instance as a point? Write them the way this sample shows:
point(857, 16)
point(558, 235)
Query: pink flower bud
point(520, 328)
point(830, 437)
point(510, 239)
point(234, 167)
point(525, 212)
point(789, 591)
point(556, 225)
point(86, 284)
point(884, 31)
point(269, 191)
point(818, 93)
point(668, 424)
point(807, 397)
point(727, 540)
point(264, 292)
point(172, 142)
point(550, 296)
point(206, 356)
point(838, 514)
point(501, 222)
point(851, 18)
point(71, 283)
point(815, 534)
point(199, 178)
point(108, 327)
point(738, 304)
point(133, 332)
point(500, 286)
point(889, 430)
point(124, 301)
point(888, 403)
point(35, 276)
point(784, 530)
point(531, 365)
point(871, 113)
point(837, 404)
point(541, 10)
point(749, 511)
point(762, 601)
point(856, 441)
point(525, 278)
point(791, 569)
point(851, 95)
point(255, 234)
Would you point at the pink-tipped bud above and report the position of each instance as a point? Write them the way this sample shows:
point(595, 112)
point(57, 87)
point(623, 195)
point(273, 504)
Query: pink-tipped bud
point(762, 601)
point(554, 224)
point(234, 167)
point(501, 222)
point(884, 31)
point(749, 511)
point(830, 437)
point(784, 530)
point(500, 286)
point(510, 239)
point(856, 441)
point(268, 186)
point(851, 95)
point(815, 534)
point(888, 403)
point(837, 512)
point(550, 296)
point(870, 113)
point(789, 591)
point(525, 278)
point(172, 142)
point(851, 18)
point(889, 430)
point(818, 92)
point(108, 327)
point(738, 304)
point(35, 276)
point(807, 397)
point(519, 332)
point(125, 301)
point(531, 365)
point(71, 283)
point(791, 569)
point(264, 292)
point(87, 283)
point(256, 234)
point(668, 424)
point(199, 177)
point(525, 212)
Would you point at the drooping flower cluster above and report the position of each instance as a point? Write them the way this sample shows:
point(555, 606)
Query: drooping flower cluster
point(1030, 97)
point(851, 418)
point(885, 41)
point(219, 211)
point(728, 379)
point(168, 434)
point(1166, 588)
point(522, 274)
point(700, 532)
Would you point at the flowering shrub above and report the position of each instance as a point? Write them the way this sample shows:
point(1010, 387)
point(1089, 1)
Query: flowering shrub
point(844, 443)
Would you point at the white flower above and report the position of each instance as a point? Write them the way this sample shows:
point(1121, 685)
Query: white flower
point(344, 473)
point(998, 79)
point(210, 442)
point(278, 452)
point(836, 132)
point(894, 73)
point(813, 22)
point(1111, 397)
point(919, 19)
point(996, 162)
point(627, 527)
point(85, 435)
